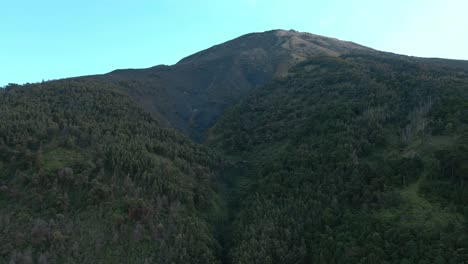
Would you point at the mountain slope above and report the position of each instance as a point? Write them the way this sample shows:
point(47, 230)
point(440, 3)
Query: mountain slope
point(352, 159)
point(87, 177)
point(193, 93)
point(328, 152)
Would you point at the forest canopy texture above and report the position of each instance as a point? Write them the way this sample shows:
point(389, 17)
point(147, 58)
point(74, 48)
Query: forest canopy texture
point(358, 158)
point(88, 177)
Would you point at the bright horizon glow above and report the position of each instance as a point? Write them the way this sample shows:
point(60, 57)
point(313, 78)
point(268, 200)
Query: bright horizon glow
point(53, 39)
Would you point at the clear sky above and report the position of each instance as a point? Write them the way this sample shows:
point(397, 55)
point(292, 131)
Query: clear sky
point(50, 39)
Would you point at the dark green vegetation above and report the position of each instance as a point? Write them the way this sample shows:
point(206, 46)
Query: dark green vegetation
point(88, 177)
point(359, 159)
point(347, 156)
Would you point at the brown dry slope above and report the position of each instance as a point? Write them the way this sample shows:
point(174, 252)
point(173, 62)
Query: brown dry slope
point(193, 93)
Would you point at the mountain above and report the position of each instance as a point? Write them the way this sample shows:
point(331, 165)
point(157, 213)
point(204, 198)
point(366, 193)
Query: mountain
point(193, 93)
point(310, 150)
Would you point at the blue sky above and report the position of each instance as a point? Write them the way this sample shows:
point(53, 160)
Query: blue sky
point(51, 39)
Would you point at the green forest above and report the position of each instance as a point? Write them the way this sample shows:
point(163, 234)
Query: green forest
point(349, 159)
point(87, 177)
point(358, 159)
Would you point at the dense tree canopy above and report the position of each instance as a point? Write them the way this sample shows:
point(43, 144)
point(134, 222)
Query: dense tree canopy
point(358, 159)
point(88, 177)
point(351, 159)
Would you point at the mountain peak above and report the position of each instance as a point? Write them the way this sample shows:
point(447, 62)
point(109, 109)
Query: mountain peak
point(293, 45)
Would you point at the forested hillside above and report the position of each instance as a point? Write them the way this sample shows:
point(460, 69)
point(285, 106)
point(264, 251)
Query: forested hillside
point(357, 159)
point(346, 155)
point(87, 177)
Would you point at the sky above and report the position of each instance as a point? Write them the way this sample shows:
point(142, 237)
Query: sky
point(52, 39)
